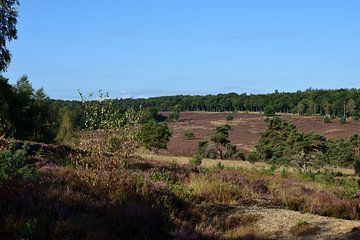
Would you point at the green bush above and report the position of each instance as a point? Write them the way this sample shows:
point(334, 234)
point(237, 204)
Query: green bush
point(269, 111)
point(252, 157)
point(327, 119)
point(229, 117)
point(114, 144)
point(196, 160)
point(13, 163)
point(189, 134)
point(154, 136)
point(357, 166)
point(342, 120)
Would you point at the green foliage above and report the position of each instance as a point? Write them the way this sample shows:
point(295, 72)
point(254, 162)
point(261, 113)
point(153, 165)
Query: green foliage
point(108, 129)
point(327, 119)
point(252, 157)
point(196, 160)
point(152, 114)
point(8, 19)
point(188, 134)
point(229, 117)
point(114, 144)
point(342, 120)
point(175, 113)
point(357, 166)
point(67, 132)
point(282, 144)
point(154, 136)
point(26, 114)
point(13, 163)
point(220, 139)
point(339, 153)
point(309, 102)
point(269, 111)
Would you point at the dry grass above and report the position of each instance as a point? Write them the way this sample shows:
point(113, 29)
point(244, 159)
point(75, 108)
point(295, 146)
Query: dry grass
point(304, 228)
point(206, 162)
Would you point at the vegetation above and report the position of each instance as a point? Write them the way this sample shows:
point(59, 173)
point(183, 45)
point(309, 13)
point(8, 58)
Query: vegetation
point(196, 160)
point(8, 32)
point(154, 136)
point(25, 113)
point(189, 134)
point(229, 117)
point(282, 144)
point(13, 163)
point(269, 111)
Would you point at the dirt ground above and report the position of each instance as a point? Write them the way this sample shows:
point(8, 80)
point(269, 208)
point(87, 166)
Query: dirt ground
point(246, 129)
point(276, 224)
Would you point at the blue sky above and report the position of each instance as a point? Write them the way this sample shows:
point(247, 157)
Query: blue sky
point(142, 48)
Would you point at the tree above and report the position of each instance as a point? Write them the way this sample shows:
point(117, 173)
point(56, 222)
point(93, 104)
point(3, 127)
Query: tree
point(301, 108)
point(350, 107)
point(269, 111)
point(196, 160)
point(67, 129)
point(154, 136)
point(8, 32)
point(221, 139)
point(175, 113)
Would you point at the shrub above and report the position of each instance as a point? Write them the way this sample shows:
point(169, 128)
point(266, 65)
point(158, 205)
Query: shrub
point(67, 130)
point(196, 160)
point(327, 119)
point(269, 111)
point(252, 157)
point(229, 117)
point(342, 120)
point(189, 135)
point(13, 163)
point(357, 166)
point(114, 144)
point(154, 136)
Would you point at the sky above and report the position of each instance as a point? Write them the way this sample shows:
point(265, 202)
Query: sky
point(143, 48)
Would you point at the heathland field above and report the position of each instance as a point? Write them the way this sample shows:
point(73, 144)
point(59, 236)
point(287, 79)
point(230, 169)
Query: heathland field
point(246, 129)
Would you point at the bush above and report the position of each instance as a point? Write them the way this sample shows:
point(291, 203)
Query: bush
point(114, 144)
point(252, 157)
point(342, 120)
point(229, 118)
point(154, 136)
point(13, 163)
point(269, 111)
point(327, 119)
point(189, 135)
point(357, 166)
point(196, 160)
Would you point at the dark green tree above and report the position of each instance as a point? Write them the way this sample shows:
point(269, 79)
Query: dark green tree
point(220, 139)
point(154, 136)
point(8, 32)
point(269, 111)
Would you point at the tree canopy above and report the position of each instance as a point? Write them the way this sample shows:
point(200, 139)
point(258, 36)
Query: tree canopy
point(154, 135)
point(8, 32)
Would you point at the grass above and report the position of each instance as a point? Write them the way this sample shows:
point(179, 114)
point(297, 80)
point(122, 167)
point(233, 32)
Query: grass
point(303, 228)
point(158, 197)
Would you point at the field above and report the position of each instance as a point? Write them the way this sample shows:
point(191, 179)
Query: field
point(246, 129)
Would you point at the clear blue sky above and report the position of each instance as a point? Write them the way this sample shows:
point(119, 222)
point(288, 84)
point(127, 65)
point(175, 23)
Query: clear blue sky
point(143, 48)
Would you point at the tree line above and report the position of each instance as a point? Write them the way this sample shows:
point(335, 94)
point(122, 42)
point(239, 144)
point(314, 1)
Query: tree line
point(335, 103)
